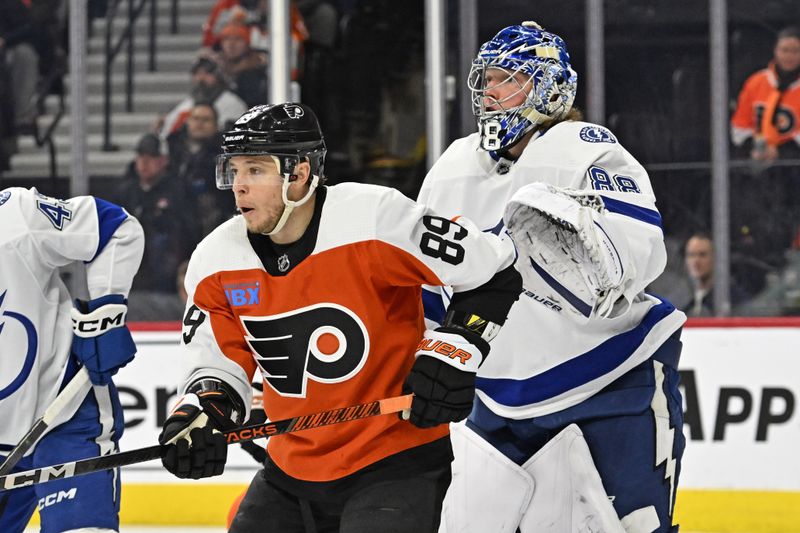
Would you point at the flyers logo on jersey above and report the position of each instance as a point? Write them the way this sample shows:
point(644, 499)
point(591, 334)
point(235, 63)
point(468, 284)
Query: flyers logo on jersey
point(326, 343)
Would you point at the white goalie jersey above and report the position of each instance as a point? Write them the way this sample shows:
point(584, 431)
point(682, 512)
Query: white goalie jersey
point(582, 214)
point(39, 235)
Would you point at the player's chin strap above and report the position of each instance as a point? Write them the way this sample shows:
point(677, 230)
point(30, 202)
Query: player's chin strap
point(289, 205)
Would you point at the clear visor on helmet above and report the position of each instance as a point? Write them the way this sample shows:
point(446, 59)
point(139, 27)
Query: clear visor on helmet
point(250, 169)
point(505, 84)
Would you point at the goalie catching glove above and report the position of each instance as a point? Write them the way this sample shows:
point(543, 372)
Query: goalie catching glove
point(193, 445)
point(102, 341)
point(443, 376)
point(568, 250)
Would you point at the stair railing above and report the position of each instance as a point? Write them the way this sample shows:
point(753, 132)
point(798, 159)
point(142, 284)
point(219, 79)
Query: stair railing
point(126, 39)
point(45, 137)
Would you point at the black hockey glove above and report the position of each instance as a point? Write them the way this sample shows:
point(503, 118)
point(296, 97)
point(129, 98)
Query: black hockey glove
point(193, 445)
point(443, 377)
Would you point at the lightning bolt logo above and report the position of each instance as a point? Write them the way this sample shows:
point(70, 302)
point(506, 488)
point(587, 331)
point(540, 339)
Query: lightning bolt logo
point(665, 435)
point(30, 356)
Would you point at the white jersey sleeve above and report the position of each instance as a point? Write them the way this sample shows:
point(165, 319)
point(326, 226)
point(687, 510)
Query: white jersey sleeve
point(202, 355)
point(456, 251)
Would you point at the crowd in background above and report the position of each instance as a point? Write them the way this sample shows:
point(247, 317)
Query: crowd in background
point(32, 63)
point(363, 73)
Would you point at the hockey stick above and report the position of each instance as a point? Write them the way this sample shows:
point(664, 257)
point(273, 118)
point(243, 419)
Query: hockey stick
point(78, 385)
point(243, 434)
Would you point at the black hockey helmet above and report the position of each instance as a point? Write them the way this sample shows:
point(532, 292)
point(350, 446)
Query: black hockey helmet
point(289, 132)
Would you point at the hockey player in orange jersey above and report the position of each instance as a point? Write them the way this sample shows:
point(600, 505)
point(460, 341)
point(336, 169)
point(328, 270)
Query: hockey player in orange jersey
point(318, 288)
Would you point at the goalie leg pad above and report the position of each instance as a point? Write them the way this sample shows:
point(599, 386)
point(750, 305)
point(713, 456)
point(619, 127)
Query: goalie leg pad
point(489, 492)
point(644, 520)
point(570, 496)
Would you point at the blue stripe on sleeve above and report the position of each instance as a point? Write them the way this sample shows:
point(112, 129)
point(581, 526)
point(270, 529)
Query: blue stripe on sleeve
point(433, 305)
point(649, 216)
point(577, 371)
point(109, 218)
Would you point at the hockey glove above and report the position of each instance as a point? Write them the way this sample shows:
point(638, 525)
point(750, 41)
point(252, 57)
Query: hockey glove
point(443, 377)
point(102, 341)
point(193, 446)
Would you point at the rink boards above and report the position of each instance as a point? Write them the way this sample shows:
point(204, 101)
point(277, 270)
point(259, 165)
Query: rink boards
point(741, 468)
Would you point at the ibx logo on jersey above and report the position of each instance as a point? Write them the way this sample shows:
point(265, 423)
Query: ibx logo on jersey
point(596, 134)
point(240, 294)
point(326, 342)
point(4, 196)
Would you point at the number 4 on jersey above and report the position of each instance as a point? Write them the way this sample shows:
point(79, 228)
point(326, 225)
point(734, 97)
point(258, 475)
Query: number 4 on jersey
point(55, 211)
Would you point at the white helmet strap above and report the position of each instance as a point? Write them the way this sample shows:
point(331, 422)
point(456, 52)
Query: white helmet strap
point(289, 205)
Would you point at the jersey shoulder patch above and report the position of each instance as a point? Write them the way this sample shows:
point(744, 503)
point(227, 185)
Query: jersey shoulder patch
point(4, 196)
point(596, 134)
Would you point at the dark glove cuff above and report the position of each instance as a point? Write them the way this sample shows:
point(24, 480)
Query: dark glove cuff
point(228, 395)
point(485, 329)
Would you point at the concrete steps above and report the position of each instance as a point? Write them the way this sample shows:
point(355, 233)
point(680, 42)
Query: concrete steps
point(154, 93)
point(165, 41)
point(173, 61)
point(143, 102)
point(33, 165)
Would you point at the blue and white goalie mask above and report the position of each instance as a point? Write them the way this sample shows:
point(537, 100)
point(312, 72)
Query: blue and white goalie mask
point(536, 65)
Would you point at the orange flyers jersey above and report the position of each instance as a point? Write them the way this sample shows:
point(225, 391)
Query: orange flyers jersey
point(336, 329)
point(760, 91)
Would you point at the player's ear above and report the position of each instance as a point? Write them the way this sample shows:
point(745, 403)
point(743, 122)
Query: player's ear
point(303, 172)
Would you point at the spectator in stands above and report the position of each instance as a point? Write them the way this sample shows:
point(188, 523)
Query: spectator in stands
point(192, 158)
point(156, 199)
point(8, 140)
point(699, 257)
point(320, 63)
point(18, 44)
point(321, 20)
point(767, 118)
point(245, 67)
point(253, 14)
point(208, 85)
point(50, 28)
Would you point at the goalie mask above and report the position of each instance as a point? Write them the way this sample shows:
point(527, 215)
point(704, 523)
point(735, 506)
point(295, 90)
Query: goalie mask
point(289, 133)
point(536, 62)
